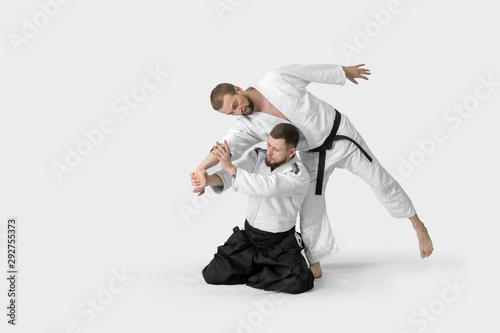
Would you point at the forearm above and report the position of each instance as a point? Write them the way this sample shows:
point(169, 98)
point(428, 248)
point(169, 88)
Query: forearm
point(208, 162)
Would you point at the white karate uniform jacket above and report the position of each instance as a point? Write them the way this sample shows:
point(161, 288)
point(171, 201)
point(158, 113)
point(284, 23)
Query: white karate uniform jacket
point(285, 88)
point(275, 197)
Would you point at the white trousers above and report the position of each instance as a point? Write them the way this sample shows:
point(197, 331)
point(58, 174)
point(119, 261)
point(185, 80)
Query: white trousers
point(317, 234)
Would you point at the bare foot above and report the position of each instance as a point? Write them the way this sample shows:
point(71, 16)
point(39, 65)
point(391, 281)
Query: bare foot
point(424, 240)
point(316, 270)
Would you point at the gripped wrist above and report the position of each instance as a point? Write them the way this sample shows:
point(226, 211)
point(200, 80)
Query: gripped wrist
point(232, 171)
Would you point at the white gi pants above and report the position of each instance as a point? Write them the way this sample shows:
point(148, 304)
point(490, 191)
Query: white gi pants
point(315, 227)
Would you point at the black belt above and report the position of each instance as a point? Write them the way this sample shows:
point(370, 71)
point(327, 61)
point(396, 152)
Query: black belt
point(327, 145)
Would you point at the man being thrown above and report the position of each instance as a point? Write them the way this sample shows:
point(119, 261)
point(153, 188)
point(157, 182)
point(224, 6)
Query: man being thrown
point(266, 253)
point(328, 140)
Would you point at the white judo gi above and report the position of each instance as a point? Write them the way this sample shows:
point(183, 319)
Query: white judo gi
point(275, 198)
point(285, 89)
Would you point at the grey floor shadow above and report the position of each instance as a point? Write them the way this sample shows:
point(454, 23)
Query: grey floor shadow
point(357, 276)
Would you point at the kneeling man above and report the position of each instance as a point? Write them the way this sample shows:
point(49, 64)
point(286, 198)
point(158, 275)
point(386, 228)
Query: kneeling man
point(266, 254)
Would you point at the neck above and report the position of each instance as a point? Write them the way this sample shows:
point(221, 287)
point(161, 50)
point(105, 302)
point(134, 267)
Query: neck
point(256, 99)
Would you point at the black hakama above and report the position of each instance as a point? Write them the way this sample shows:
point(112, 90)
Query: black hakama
point(261, 259)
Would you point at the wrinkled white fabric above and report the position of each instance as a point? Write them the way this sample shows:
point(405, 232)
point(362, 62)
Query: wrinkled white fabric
point(275, 197)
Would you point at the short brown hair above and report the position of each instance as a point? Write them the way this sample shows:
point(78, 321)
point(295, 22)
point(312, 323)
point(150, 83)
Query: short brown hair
point(288, 132)
point(218, 93)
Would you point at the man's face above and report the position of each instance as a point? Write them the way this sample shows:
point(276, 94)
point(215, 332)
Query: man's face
point(237, 105)
point(277, 152)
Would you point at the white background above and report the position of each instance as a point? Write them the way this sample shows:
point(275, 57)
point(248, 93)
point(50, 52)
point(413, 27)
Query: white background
point(128, 207)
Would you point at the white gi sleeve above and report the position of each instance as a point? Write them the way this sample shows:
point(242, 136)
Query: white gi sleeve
point(240, 138)
point(294, 181)
point(247, 164)
point(301, 75)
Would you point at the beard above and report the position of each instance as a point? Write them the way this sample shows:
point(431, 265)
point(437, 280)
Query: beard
point(274, 165)
point(249, 108)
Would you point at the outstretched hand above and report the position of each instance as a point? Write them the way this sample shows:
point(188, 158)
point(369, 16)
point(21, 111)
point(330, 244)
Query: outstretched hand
point(224, 157)
point(355, 72)
point(199, 183)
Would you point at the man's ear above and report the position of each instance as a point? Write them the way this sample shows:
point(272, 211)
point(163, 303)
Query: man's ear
point(238, 89)
point(292, 152)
